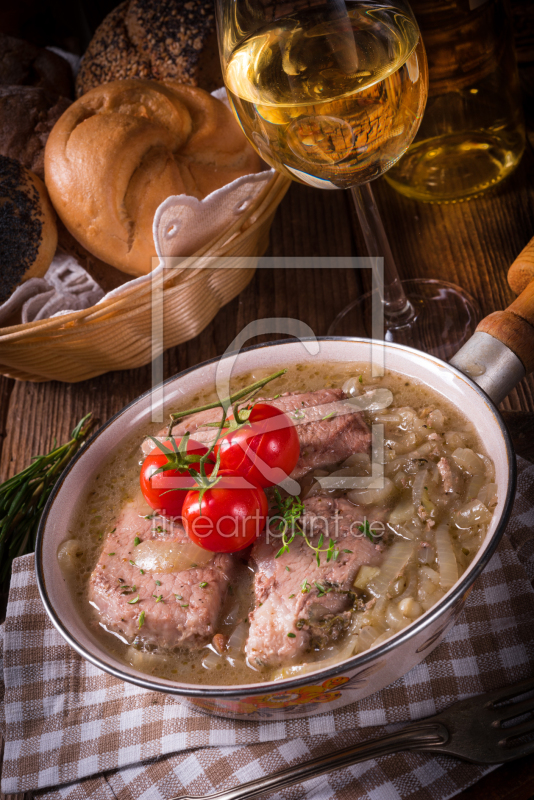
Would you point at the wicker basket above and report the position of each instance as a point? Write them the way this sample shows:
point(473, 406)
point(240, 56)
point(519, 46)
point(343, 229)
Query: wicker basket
point(117, 333)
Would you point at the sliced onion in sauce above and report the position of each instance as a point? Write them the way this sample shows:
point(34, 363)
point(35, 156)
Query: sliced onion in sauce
point(488, 495)
point(472, 513)
point(373, 400)
point(157, 555)
point(236, 642)
point(395, 560)
point(144, 661)
point(377, 492)
point(68, 555)
point(476, 484)
point(212, 659)
point(468, 461)
point(448, 567)
point(402, 513)
point(419, 483)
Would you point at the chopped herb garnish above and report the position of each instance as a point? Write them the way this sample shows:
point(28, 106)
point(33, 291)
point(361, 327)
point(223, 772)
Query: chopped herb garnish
point(203, 584)
point(298, 414)
point(184, 605)
point(287, 569)
point(292, 635)
point(135, 600)
point(159, 598)
point(178, 596)
point(111, 554)
point(131, 562)
point(290, 510)
point(158, 583)
point(328, 415)
point(291, 596)
point(361, 378)
point(136, 541)
point(366, 530)
point(347, 551)
point(142, 571)
point(305, 586)
point(141, 618)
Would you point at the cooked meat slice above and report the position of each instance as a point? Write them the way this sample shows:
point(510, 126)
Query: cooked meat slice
point(299, 605)
point(174, 609)
point(450, 481)
point(329, 430)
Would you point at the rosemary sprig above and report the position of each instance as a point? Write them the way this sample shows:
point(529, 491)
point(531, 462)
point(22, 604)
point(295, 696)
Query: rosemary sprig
point(290, 510)
point(23, 497)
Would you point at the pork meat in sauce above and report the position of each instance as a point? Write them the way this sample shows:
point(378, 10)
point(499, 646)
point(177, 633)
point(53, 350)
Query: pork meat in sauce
point(300, 605)
point(180, 609)
point(227, 620)
point(328, 430)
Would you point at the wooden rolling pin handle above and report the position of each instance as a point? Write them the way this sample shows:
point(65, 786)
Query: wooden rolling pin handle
point(515, 326)
point(521, 273)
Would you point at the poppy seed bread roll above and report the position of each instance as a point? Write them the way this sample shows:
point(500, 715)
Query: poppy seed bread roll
point(28, 233)
point(156, 39)
point(123, 148)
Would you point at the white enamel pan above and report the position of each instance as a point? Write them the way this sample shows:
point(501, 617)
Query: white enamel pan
point(494, 360)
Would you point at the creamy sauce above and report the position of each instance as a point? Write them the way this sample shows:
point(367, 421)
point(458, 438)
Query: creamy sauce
point(375, 618)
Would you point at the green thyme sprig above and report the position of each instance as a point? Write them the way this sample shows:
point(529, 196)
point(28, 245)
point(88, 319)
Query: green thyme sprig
point(289, 512)
point(240, 396)
point(23, 497)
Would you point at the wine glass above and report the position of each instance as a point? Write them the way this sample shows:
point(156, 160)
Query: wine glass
point(331, 94)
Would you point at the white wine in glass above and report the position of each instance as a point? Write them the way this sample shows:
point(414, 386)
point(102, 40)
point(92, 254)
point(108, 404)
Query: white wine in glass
point(331, 96)
point(331, 93)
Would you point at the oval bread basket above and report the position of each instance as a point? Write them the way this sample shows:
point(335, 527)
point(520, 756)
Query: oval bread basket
point(117, 332)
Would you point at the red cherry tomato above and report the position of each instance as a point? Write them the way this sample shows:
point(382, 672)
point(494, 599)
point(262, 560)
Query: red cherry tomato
point(160, 490)
point(265, 451)
point(230, 517)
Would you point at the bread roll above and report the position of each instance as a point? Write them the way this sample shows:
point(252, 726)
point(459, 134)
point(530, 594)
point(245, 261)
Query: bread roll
point(123, 148)
point(28, 233)
point(28, 114)
point(155, 39)
point(24, 64)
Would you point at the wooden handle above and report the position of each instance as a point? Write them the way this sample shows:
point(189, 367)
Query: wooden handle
point(515, 326)
point(521, 273)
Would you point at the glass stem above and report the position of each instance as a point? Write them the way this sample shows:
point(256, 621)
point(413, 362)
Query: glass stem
point(397, 308)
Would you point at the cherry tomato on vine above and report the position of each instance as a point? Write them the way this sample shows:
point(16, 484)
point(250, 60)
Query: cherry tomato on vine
point(159, 490)
point(265, 450)
point(229, 517)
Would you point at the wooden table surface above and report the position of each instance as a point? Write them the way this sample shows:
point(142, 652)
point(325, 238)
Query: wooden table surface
point(471, 244)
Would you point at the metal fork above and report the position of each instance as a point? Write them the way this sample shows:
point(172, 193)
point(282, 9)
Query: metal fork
point(480, 730)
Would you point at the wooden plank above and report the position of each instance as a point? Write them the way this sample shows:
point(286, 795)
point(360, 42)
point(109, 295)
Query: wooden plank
point(513, 781)
point(6, 387)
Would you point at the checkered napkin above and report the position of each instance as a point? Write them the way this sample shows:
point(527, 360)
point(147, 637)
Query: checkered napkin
point(72, 731)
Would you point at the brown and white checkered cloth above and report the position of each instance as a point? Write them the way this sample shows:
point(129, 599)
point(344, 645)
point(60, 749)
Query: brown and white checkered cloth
point(72, 731)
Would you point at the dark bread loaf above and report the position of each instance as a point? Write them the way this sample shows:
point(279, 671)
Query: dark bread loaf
point(156, 39)
point(28, 233)
point(27, 115)
point(24, 64)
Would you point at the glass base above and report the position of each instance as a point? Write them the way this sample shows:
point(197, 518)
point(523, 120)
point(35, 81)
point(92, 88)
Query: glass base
point(443, 320)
